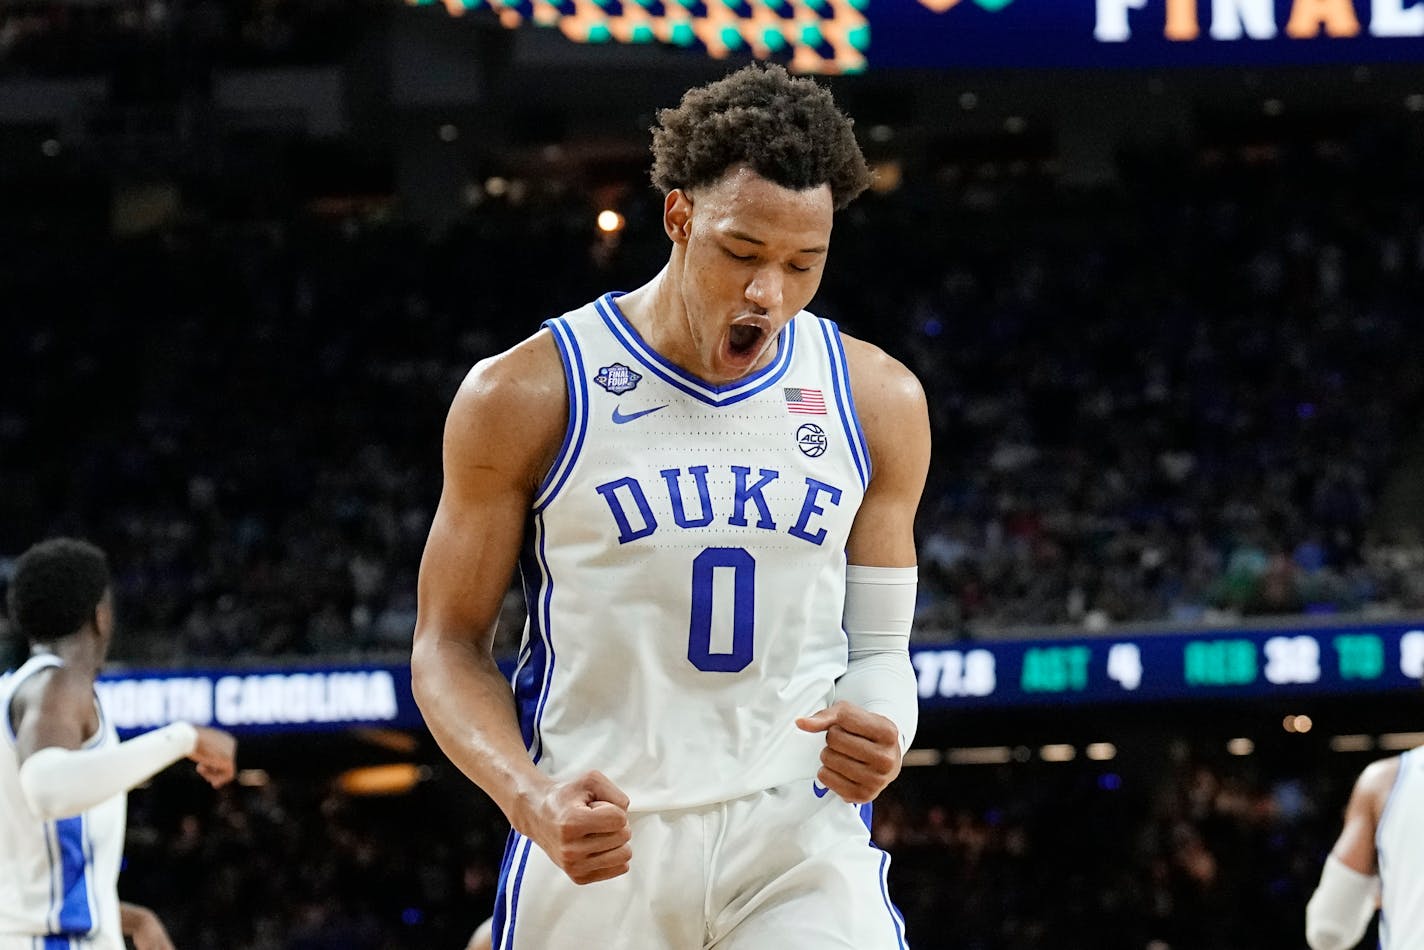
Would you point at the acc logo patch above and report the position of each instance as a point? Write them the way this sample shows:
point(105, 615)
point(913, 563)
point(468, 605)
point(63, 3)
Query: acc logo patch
point(617, 379)
point(811, 440)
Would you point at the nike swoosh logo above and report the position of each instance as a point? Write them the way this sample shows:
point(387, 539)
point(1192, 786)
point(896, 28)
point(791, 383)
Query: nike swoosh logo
point(619, 418)
point(819, 789)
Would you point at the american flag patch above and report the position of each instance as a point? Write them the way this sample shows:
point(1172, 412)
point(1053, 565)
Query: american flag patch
point(809, 401)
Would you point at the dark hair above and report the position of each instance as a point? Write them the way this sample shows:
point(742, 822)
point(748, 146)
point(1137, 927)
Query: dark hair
point(787, 130)
point(56, 586)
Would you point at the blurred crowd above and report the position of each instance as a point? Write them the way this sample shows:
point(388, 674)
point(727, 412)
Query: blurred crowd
point(1188, 853)
point(1185, 398)
point(157, 49)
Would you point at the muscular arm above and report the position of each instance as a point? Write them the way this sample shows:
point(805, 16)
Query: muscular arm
point(1348, 893)
point(503, 432)
point(895, 417)
point(876, 711)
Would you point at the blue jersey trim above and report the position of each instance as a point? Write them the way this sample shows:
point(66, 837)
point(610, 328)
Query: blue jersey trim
point(576, 381)
point(53, 943)
point(539, 669)
point(514, 896)
point(845, 401)
point(528, 677)
point(497, 924)
point(75, 916)
point(895, 918)
point(678, 378)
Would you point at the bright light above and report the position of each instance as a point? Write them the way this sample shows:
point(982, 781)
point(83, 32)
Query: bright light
point(396, 779)
point(886, 176)
point(1351, 744)
point(1101, 751)
point(1399, 741)
point(610, 221)
point(1303, 724)
point(982, 755)
point(496, 186)
point(1241, 747)
point(251, 778)
point(919, 757)
point(1060, 752)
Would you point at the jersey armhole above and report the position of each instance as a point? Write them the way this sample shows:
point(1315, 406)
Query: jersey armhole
point(845, 402)
point(1404, 765)
point(576, 382)
point(12, 684)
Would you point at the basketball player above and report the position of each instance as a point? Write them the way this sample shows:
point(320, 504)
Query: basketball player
point(713, 492)
point(63, 772)
point(1376, 862)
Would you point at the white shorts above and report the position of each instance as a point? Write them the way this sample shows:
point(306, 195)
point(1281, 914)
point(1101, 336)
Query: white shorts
point(11, 942)
point(779, 868)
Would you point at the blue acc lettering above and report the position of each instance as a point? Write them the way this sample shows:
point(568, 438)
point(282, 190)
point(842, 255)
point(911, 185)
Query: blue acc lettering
point(628, 503)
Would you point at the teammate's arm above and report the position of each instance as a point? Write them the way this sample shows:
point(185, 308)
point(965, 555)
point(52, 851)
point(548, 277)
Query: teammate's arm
point(1348, 894)
point(54, 715)
point(504, 429)
point(876, 711)
point(143, 927)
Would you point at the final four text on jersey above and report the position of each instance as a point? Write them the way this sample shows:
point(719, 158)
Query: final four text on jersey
point(628, 503)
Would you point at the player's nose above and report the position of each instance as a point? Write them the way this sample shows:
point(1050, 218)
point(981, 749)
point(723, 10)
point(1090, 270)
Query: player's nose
point(764, 290)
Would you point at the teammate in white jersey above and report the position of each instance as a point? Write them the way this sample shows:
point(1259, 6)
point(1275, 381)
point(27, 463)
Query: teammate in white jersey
point(710, 494)
point(63, 771)
point(1377, 862)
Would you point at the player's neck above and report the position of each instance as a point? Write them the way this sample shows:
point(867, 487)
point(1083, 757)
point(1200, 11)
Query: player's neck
point(76, 653)
point(656, 311)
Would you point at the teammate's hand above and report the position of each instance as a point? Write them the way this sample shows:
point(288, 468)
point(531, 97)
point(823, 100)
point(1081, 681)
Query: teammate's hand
point(862, 753)
point(582, 826)
point(147, 931)
point(216, 755)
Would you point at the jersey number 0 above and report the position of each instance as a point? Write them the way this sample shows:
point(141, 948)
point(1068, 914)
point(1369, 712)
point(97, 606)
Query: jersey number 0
point(742, 567)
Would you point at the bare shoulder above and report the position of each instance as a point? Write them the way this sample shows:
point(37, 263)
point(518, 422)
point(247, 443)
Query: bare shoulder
point(53, 707)
point(880, 383)
point(1376, 781)
point(891, 405)
point(52, 689)
point(510, 411)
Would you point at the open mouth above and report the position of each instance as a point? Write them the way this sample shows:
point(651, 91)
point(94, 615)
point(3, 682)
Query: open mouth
point(745, 338)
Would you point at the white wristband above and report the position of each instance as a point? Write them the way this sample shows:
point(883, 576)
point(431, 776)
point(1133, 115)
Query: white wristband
point(1341, 908)
point(879, 610)
point(60, 783)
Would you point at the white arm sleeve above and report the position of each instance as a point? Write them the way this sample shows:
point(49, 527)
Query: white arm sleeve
point(879, 609)
point(60, 783)
point(1341, 908)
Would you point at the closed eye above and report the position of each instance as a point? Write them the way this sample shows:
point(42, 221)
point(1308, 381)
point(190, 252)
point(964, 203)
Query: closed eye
point(740, 257)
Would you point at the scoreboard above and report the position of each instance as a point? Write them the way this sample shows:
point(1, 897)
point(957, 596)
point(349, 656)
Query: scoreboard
point(851, 36)
point(1205, 665)
point(1199, 665)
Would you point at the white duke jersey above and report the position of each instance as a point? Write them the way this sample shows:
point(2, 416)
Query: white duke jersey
point(1401, 861)
point(685, 565)
point(58, 879)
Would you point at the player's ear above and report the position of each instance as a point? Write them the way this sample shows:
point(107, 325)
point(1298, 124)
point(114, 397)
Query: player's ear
point(677, 215)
